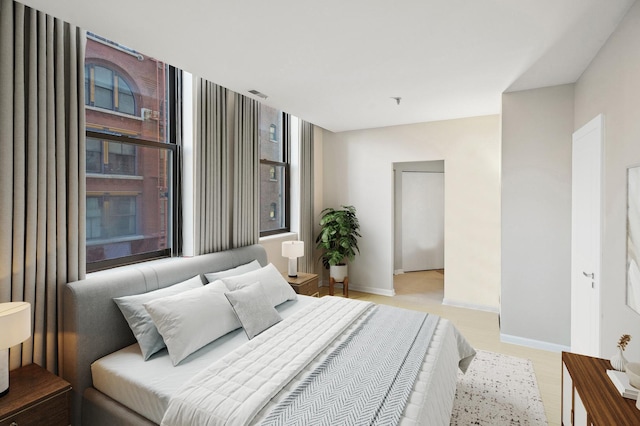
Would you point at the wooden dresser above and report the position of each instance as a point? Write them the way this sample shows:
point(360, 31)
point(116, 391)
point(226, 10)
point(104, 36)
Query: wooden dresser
point(36, 397)
point(589, 397)
point(304, 283)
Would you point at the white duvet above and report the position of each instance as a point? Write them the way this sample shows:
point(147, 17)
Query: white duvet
point(147, 387)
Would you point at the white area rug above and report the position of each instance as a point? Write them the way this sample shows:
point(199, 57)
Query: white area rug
point(498, 390)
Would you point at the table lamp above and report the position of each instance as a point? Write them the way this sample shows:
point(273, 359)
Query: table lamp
point(293, 250)
point(15, 328)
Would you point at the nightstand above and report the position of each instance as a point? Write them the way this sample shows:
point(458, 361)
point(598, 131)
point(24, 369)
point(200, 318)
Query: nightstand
point(35, 397)
point(304, 283)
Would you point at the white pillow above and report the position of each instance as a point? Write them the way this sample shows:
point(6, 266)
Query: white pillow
point(247, 267)
point(275, 286)
point(253, 309)
point(139, 320)
point(190, 320)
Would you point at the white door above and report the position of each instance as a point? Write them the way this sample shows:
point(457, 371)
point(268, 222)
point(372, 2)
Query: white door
point(585, 238)
point(422, 221)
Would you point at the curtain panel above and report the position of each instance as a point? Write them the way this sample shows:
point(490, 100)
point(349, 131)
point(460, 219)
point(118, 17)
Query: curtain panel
point(246, 178)
point(307, 220)
point(213, 179)
point(42, 161)
point(227, 179)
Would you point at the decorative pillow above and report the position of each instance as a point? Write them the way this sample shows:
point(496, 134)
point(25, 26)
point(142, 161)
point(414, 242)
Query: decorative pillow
point(276, 288)
point(190, 320)
point(238, 270)
point(139, 320)
point(253, 309)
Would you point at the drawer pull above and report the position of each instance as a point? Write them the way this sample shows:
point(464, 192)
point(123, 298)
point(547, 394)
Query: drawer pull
point(13, 424)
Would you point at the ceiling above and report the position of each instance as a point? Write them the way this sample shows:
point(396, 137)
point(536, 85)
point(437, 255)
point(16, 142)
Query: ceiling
point(339, 63)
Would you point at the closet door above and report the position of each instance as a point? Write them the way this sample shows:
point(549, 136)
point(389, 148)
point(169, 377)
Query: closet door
point(586, 238)
point(422, 221)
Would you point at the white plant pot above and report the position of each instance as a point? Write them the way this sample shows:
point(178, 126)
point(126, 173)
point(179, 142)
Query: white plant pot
point(338, 272)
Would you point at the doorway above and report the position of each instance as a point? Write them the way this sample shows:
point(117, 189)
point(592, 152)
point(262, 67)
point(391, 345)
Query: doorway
point(419, 229)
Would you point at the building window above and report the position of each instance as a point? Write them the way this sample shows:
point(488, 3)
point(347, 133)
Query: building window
point(108, 157)
point(110, 218)
point(132, 194)
point(107, 89)
point(273, 130)
point(274, 171)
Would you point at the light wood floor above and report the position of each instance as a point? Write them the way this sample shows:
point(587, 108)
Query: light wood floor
point(423, 291)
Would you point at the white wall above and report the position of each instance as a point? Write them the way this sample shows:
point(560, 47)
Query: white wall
point(358, 170)
point(611, 86)
point(536, 216)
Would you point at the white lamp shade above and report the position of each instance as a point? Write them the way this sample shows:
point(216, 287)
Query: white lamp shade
point(293, 249)
point(15, 323)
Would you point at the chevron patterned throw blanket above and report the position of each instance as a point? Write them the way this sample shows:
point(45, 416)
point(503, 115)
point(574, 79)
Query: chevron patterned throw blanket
point(369, 373)
point(367, 379)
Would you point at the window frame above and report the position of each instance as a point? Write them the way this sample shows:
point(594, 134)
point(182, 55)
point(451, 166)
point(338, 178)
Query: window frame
point(286, 164)
point(174, 144)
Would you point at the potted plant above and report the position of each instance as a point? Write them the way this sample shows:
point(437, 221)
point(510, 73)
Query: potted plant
point(338, 239)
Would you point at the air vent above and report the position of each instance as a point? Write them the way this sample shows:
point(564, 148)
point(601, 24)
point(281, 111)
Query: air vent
point(258, 94)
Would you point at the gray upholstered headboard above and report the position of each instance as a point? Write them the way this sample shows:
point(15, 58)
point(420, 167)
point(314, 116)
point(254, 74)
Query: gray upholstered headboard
point(93, 326)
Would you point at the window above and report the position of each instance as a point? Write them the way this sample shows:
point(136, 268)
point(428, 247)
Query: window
point(273, 133)
point(131, 157)
point(107, 89)
point(274, 171)
point(111, 217)
point(120, 158)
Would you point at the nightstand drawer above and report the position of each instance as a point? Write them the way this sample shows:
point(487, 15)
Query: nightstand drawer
point(309, 288)
point(53, 411)
point(306, 284)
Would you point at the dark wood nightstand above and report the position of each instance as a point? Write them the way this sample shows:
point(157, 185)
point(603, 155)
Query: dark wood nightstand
point(304, 283)
point(36, 397)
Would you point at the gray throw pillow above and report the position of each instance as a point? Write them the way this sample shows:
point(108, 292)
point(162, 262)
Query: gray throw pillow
point(253, 309)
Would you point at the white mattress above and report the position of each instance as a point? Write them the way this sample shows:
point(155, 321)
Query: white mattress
point(146, 387)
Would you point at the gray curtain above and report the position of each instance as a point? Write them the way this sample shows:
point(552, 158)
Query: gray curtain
point(307, 220)
point(246, 178)
point(227, 179)
point(42, 191)
point(212, 180)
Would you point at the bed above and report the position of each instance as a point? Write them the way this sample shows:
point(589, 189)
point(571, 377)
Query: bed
point(113, 384)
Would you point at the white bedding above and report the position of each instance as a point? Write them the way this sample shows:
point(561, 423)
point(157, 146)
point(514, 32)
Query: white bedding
point(146, 387)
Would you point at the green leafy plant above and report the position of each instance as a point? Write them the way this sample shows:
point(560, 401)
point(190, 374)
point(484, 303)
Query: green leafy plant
point(338, 235)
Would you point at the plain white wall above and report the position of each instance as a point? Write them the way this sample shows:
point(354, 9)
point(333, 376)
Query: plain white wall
point(611, 86)
point(536, 216)
point(358, 170)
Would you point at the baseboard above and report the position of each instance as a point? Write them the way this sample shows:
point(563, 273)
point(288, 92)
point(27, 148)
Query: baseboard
point(398, 272)
point(532, 343)
point(372, 290)
point(465, 305)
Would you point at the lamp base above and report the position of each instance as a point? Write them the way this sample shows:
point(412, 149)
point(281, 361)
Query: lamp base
point(4, 372)
point(293, 267)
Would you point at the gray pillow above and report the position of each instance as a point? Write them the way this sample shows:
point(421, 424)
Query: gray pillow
point(253, 309)
point(247, 267)
point(143, 328)
point(275, 286)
